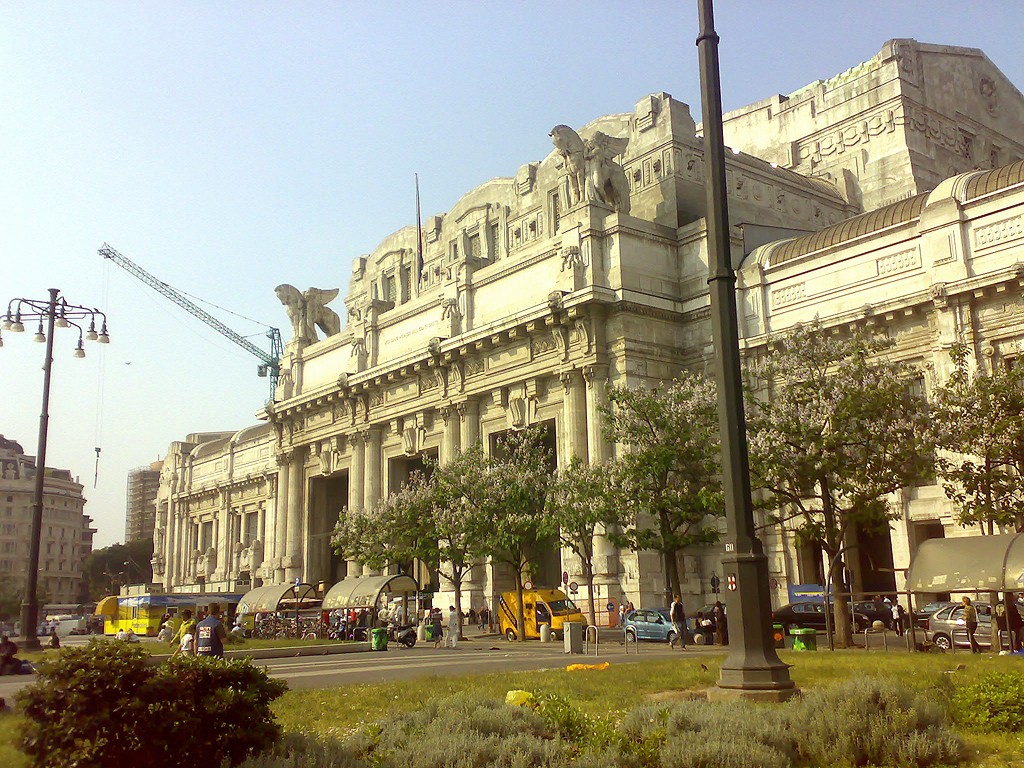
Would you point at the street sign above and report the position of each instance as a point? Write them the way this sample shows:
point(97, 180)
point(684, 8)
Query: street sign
point(773, 583)
point(528, 585)
point(611, 607)
point(715, 583)
point(732, 582)
point(565, 577)
point(573, 587)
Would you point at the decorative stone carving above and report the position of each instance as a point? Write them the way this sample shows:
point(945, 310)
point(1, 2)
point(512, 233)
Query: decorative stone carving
point(590, 171)
point(987, 89)
point(571, 257)
point(938, 292)
point(410, 438)
point(555, 301)
point(251, 557)
point(517, 412)
point(205, 562)
point(450, 308)
point(308, 311)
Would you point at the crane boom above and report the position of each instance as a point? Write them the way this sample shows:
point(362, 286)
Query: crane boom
point(271, 362)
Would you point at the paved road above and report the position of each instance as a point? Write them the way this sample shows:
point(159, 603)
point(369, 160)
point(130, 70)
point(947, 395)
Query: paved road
point(479, 655)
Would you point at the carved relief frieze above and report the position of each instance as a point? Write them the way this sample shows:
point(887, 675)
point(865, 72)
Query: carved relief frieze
point(999, 232)
point(899, 262)
point(844, 137)
point(542, 344)
point(474, 367)
point(780, 297)
point(571, 257)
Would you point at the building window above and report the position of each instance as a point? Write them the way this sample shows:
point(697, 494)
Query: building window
point(495, 234)
point(388, 287)
point(473, 246)
point(556, 212)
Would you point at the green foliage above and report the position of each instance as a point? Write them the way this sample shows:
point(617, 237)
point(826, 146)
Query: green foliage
point(108, 568)
point(834, 430)
point(104, 704)
point(993, 704)
point(297, 750)
point(669, 481)
point(979, 420)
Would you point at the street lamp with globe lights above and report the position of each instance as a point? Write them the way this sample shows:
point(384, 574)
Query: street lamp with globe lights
point(56, 313)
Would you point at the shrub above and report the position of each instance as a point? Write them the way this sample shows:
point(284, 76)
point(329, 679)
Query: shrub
point(992, 704)
point(297, 750)
point(104, 704)
point(871, 722)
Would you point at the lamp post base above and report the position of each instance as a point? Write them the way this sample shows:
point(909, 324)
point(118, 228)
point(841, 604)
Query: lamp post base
point(759, 697)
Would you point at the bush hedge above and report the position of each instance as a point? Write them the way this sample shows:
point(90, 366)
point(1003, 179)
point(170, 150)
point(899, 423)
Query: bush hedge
point(104, 704)
point(863, 722)
point(992, 704)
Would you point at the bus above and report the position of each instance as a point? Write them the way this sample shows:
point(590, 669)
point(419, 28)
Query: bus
point(142, 614)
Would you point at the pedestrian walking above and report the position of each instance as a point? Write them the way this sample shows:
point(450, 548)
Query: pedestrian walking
point(897, 618)
point(721, 623)
point(1014, 623)
point(451, 640)
point(187, 626)
point(971, 620)
point(677, 614)
point(211, 634)
point(484, 615)
point(435, 627)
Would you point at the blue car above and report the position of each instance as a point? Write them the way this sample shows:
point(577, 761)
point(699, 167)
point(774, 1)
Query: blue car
point(649, 624)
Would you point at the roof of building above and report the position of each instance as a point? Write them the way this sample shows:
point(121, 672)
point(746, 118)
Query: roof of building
point(963, 188)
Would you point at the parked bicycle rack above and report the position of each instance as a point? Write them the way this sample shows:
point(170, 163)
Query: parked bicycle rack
point(627, 641)
point(586, 641)
point(868, 632)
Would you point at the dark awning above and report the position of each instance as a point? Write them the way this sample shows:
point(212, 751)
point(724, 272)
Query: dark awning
point(968, 563)
point(272, 597)
point(364, 592)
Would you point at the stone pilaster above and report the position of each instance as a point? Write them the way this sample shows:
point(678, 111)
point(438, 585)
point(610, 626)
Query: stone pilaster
point(296, 516)
point(373, 479)
point(606, 557)
point(280, 540)
point(356, 478)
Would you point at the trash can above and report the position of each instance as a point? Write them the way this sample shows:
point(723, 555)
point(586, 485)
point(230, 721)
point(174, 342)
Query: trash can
point(573, 637)
point(545, 633)
point(379, 639)
point(804, 639)
point(779, 635)
point(421, 633)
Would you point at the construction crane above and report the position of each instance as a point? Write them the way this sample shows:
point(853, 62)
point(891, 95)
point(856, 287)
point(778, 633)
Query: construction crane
point(270, 364)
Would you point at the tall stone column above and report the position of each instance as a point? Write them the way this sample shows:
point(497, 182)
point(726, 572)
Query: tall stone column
point(573, 440)
point(356, 481)
point(296, 516)
point(450, 444)
point(606, 556)
point(469, 423)
point(373, 478)
point(280, 541)
point(224, 548)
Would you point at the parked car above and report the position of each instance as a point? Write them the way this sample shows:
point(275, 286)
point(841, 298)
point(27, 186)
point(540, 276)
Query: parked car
point(811, 615)
point(945, 621)
point(649, 624)
point(875, 610)
point(924, 613)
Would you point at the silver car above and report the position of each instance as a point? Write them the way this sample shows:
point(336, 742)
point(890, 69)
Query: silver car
point(945, 621)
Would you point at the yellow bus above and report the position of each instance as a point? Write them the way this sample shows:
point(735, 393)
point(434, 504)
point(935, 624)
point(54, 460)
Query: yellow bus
point(142, 613)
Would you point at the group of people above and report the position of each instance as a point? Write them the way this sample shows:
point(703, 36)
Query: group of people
point(711, 628)
point(1008, 619)
point(204, 635)
point(440, 632)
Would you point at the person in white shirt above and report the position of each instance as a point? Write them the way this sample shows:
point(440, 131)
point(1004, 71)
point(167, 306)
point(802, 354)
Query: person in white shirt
point(186, 648)
point(451, 639)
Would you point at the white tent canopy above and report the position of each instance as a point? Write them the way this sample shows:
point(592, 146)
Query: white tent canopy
point(969, 564)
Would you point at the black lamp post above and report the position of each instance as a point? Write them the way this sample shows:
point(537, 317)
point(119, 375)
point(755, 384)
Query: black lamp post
point(56, 313)
point(752, 663)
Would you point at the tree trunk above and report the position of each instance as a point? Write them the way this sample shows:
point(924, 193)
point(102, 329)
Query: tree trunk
point(458, 604)
point(588, 574)
point(520, 613)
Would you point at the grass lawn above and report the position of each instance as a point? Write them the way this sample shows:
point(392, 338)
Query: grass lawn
point(336, 712)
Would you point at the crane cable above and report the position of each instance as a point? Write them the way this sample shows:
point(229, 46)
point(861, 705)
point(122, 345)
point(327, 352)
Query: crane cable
point(101, 371)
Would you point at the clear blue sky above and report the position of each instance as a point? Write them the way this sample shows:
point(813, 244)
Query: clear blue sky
point(228, 147)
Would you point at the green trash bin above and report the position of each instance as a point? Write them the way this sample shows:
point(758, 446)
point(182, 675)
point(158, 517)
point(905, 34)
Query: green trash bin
point(379, 639)
point(804, 639)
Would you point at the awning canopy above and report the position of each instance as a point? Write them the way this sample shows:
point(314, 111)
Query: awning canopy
point(274, 597)
point(365, 592)
point(107, 606)
point(968, 563)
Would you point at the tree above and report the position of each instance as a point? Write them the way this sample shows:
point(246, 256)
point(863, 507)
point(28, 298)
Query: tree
point(979, 422)
point(669, 480)
point(582, 497)
point(839, 430)
point(108, 568)
point(509, 493)
point(427, 520)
